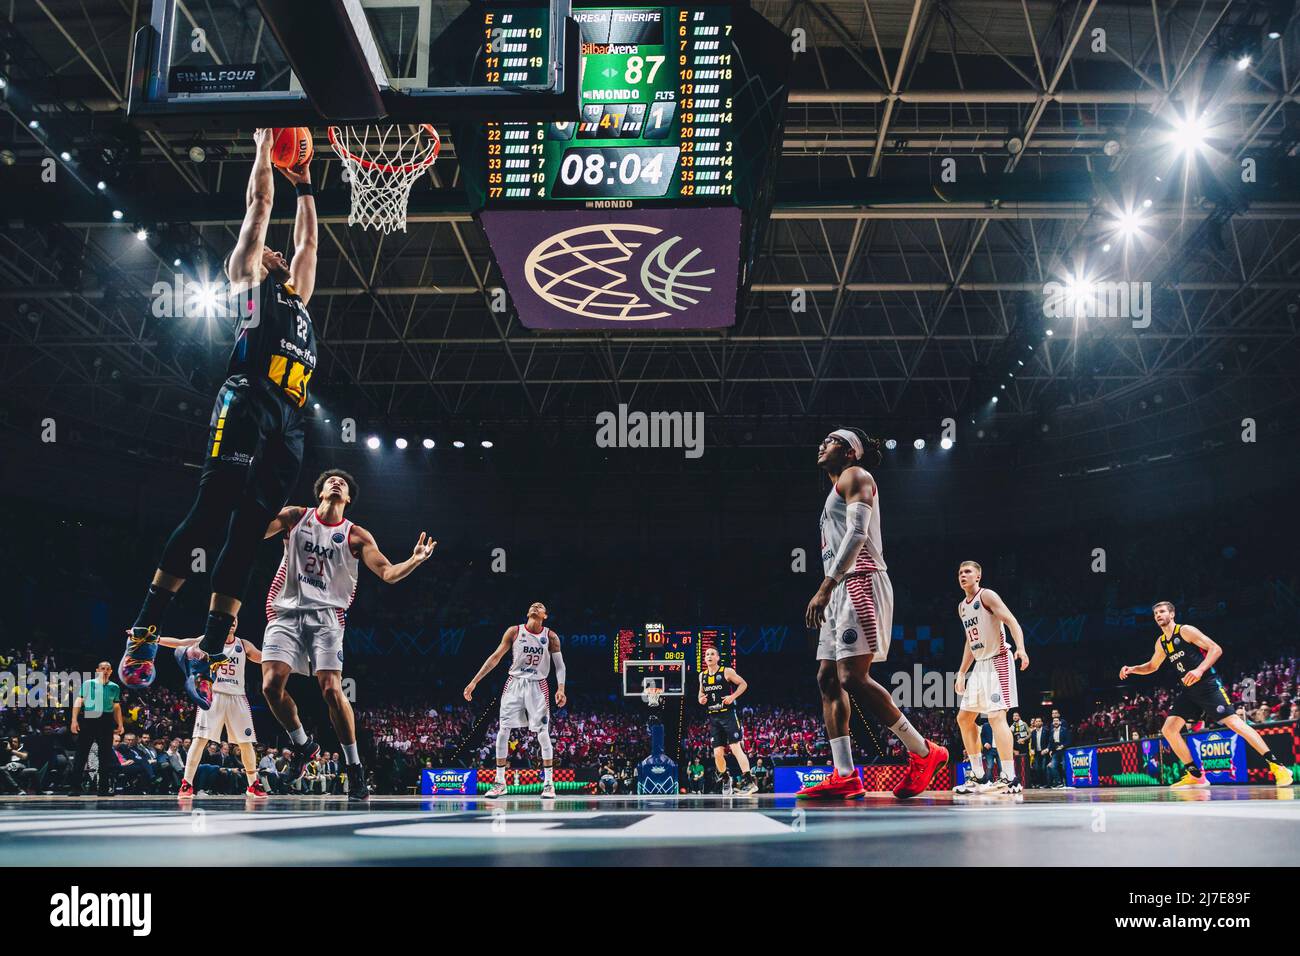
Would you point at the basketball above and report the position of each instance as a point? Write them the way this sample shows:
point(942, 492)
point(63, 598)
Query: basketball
point(291, 147)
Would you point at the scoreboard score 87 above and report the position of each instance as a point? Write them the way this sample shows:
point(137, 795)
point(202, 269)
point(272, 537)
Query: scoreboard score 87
point(656, 642)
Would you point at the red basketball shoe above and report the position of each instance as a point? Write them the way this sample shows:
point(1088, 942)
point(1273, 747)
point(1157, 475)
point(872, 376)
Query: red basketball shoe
point(255, 789)
point(921, 770)
point(836, 787)
point(186, 790)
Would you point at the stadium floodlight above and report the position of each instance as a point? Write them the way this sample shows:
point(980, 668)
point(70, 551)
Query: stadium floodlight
point(372, 442)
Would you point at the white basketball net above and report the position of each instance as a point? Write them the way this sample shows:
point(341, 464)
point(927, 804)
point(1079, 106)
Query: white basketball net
point(383, 163)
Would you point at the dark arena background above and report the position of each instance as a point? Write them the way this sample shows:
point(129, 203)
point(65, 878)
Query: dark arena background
point(1047, 253)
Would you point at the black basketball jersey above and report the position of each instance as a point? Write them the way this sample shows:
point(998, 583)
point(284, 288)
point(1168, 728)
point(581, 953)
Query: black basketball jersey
point(714, 687)
point(276, 341)
point(1184, 655)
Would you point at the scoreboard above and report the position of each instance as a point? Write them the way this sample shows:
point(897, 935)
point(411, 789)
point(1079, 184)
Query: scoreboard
point(657, 114)
point(657, 642)
point(643, 211)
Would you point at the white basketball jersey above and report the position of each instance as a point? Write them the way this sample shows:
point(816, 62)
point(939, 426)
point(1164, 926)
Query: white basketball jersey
point(318, 569)
point(532, 654)
point(835, 524)
point(985, 634)
point(230, 675)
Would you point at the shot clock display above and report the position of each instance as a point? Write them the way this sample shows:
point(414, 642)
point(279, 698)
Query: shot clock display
point(657, 114)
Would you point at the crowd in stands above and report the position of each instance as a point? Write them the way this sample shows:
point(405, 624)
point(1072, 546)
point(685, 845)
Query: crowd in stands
point(402, 737)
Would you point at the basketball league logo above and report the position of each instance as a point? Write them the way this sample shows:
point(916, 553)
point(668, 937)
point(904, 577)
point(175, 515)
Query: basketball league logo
point(617, 272)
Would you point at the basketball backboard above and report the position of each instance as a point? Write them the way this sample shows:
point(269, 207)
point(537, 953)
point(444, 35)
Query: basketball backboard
point(208, 63)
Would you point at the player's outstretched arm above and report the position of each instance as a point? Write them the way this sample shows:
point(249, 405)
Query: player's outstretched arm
point(993, 601)
point(734, 678)
point(286, 519)
point(302, 269)
point(375, 560)
point(1150, 667)
point(246, 260)
point(493, 659)
point(179, 641)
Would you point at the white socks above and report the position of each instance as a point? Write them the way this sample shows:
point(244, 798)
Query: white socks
point(977, 764)
point(912, 740)
point(351, 755)
point(501, 774)
point(548, 775)
point(842, 755)
point(298, 735)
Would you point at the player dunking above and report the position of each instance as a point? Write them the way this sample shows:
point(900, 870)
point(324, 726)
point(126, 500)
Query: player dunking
point(229, 710)
point(991, 688)
point(525, 701)
point(306, 611)
point(724, 726)
point(255, 441)
point(1193, 656)
point(854, 609)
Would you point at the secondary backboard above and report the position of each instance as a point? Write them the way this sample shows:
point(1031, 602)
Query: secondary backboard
point(208, 63)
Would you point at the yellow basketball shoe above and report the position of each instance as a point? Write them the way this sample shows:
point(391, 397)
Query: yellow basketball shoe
point(1282, 776)
point(1190, 781)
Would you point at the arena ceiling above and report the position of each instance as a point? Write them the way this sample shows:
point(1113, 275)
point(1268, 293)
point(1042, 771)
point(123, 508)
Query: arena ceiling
point(921, 298)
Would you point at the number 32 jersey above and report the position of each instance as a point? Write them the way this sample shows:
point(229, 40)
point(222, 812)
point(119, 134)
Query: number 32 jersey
point(532, 654)
point(318, 569)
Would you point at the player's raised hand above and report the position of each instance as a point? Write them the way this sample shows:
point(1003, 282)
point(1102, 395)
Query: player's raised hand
point(262, 138)
point(423, 548)
point(1024, 660)
point(298, 174)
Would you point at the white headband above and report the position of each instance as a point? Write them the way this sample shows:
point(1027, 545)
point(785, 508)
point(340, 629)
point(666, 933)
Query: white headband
point(854, 442)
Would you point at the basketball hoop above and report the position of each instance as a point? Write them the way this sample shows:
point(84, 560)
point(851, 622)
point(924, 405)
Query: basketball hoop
point(652, 696)
point(383, 163)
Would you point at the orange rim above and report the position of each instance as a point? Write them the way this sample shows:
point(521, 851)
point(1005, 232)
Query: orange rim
point(347, 154)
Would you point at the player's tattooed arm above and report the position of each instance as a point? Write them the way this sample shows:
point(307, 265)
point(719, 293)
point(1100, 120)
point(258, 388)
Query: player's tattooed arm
point(741, 685)
point(368, 551)
point(1212, 652)
point(993, 601)
point(493, 659)
point(246, 259)
point(1150, 667)
point(286, 519)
